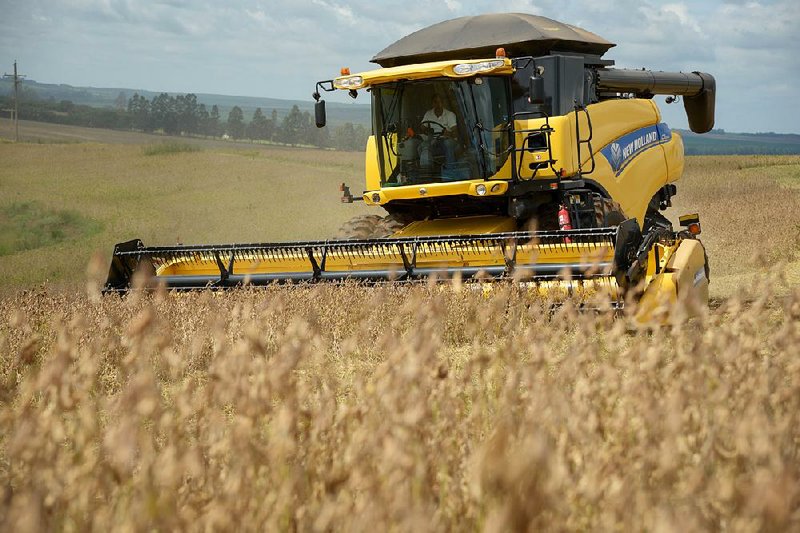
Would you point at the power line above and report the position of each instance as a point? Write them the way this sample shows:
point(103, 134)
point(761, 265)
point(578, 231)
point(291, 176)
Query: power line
point(17, 81)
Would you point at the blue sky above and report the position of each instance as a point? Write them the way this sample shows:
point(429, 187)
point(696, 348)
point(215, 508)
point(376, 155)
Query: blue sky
point(279, 48)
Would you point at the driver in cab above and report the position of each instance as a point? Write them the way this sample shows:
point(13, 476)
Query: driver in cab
point(438, 120)
point(440, 124)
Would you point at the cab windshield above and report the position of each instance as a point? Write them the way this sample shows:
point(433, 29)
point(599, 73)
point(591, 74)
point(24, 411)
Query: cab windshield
point(441, 130)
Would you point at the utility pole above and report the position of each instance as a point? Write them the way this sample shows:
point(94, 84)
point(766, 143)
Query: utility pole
point(17, 80)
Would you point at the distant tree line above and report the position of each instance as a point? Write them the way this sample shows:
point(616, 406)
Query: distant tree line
point(184, 115)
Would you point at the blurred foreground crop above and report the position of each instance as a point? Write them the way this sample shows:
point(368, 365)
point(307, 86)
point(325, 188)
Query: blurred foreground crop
point(421, 408)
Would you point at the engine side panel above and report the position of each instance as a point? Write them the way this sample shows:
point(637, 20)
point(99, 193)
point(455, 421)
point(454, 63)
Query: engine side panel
point(634, 186)
point(673, 154)
point(634, 153)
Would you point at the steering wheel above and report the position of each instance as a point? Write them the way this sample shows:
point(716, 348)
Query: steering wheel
point(427, 123)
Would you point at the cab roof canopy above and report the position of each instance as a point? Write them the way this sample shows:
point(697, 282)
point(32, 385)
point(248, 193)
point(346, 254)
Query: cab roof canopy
point(479, 37)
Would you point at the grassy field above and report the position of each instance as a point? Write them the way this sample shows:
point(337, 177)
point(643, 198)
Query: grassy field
point(133, 188)
point(748, 206)
point(352, 408)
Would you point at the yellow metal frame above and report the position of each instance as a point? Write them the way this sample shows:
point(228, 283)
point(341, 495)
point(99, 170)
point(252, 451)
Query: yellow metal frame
point(421, 71)
point(682, 276)
point(409, 192)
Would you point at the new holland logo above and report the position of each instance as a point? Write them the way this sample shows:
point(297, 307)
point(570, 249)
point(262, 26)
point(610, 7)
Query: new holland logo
point(616, 155)
point(622, 151)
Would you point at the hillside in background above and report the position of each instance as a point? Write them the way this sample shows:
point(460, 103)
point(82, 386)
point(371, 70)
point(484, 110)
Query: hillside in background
point(720, 142)
point(717, 142)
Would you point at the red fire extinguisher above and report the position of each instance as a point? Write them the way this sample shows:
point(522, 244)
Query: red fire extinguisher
point(564, 221)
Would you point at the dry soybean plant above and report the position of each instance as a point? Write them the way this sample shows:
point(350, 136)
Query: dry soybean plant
point(408, 408)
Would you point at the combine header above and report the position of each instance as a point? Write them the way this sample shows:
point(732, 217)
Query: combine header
point(584, 254)
point(482, 128)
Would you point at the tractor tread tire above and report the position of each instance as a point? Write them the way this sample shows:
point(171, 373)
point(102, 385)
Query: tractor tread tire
point(608, 213)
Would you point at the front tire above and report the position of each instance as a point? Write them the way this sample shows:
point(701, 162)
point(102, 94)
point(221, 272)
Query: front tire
point(608, 213)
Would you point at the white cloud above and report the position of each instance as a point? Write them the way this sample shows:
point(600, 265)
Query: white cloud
point(342, 13)
point(681, 12)
point(257, 15)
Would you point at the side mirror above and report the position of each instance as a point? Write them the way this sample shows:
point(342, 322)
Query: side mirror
point(536, 90)
point(320, 118)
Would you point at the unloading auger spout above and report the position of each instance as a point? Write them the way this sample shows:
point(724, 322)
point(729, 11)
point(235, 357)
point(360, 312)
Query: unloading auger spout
point(698, 90)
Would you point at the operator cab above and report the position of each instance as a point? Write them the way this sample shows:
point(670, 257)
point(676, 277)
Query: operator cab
point(441, 130)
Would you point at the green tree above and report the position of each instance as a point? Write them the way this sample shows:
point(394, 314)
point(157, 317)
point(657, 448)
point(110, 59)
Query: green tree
point(258, 127)
point(344, 136)
point(235, 126)
point(202, 119)
point(188, 114)
point(275, 126)
point(120, 101)
point(139, 112)
point(320, 137)
point(360, 138)
point(164, 115)
point(309, 130)
point(295, 127)
point(349, 137)
point(66, 106)
point(214, 127)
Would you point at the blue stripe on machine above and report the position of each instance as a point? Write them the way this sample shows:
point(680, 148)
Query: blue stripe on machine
point(621, 151)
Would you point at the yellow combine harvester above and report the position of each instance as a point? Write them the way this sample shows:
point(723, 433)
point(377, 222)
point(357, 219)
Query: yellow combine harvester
point(483, 128)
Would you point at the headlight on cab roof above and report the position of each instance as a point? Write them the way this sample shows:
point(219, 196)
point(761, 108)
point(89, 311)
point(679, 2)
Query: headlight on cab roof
point(465, 69)
point(350, 82)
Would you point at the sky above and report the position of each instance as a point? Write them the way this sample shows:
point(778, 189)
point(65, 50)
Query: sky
point(280, 48)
